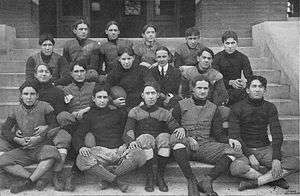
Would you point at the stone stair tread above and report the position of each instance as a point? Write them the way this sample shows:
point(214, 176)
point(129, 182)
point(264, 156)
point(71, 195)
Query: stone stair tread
point(175, 189)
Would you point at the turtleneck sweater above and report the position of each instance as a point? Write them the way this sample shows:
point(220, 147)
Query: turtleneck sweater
point(151, 120)
point(51, 94)
point(106, 124)
point(248, 122)
point(232, 65)
point(107, 53)
point(132, 80)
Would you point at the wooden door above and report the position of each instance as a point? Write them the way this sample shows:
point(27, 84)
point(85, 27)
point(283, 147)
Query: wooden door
point(165, 14)
point(68, 11)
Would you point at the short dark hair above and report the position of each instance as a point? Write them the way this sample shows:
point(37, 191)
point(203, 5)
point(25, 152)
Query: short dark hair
point(111, 23)
point(144, 29)
point(201, 78)
point(50, 69)
point(192, 31)
point(101, 87)
point(29, 83)
point(81, 62)
point(167, 50)
point(229, 34)
point(45, 37)
point(155, 85)
point(80, 21)
point(262, 80)
point(206, 49)
point(127, 50)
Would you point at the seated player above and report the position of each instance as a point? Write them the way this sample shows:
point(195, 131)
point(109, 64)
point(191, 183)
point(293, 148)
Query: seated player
point(107, 54)
point(167, 76)
point(145, 49)
point(81, 47)
point(106, 124)
point(218, 94)
point(231, 64)
point(129, 75)
point(34, 119)
point(186, 53)
point(206, 141)
point(48, 57)
point(78, 97)
point(149, 127)
point(249, 121)
point(61, 138)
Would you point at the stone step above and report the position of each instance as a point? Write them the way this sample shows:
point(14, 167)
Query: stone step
point(15, 79)
point(23, 54)
point(175, 189)
point(224, 185)
point(286, 106)
point(23, 43)
point(18, 66)
point(272, 75)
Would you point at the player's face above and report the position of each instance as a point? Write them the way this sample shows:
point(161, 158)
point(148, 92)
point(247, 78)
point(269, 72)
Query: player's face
point(43, 74)
point(81, 31)
point(204, 61)
point(192, 40)
point(162, 57)
point(101, 99)
point(29, 96)
point(230, 45)
point(78, 73)
point(256, 90)
point(201, 89)
point(112, 32)
point(126, 60)
point(150, 34)
point(149, 95)
point(47, 47)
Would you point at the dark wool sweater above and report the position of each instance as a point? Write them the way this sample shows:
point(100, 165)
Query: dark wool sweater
point(218, 94)
point(170, 82)
point(153, 121)
point(232, 65)
point(248, 122)
point(184, 55)
point(132, 80)
point(106, 124)
point(146, 53)
point(108, 53)
point(53, 95)
point(216, 130)
point(75, 49)
point(58, 64)
point(27, 118)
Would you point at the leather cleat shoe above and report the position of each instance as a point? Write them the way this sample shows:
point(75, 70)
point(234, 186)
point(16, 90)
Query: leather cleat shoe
point(205, 186)
point(162, 186)
point(58, 181)
point(149, 187)
point(22, 186)
point(282, 183)
point(251, 184)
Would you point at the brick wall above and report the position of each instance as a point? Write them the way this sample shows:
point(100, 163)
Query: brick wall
point(21, 14)
point(213, 17)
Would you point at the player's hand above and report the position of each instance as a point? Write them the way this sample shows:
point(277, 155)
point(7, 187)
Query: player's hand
point(133, 145)
point(254, 162)
point(237, 84)
point(235, 144)
point(119, 102)
point(179, 133)
point(23, 141)
point(85, 151)
point(276, 169)
point(193, 144)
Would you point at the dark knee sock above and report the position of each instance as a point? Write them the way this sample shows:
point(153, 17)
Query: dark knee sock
point(221, 167)
point(182, 160)
point(148, 167)
point(101, 172)
point(161, 164)
point(126, 166)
